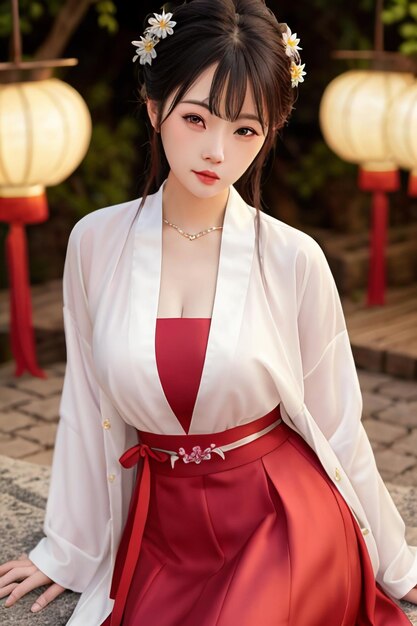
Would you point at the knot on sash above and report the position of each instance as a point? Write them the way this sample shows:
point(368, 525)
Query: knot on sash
point(141, 450)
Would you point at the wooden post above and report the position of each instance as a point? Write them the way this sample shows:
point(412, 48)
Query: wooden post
point(16, 36)
point(379, 26)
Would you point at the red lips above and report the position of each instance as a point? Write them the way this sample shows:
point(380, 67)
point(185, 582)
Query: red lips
point(208, 173)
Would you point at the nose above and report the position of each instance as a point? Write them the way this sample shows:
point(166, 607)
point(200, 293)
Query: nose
point(213, 151)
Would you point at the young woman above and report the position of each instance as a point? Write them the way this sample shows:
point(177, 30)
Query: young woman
point(210, 465)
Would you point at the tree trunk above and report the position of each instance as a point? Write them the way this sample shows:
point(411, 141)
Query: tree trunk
point(66, 22)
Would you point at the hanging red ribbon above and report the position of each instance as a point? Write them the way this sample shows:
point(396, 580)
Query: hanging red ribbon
point(412, 185)
point(129, 548)
point(18, 212)
point(379, 184)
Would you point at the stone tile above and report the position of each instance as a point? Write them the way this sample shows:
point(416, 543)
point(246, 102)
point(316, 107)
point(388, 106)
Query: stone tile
point(383, 432)
point(47, 408)
point(411, 535)
point(7, 371)
point(387, 475)
point(401, 413)
point(14, 420)
point(407, 445)
point(377, 446)
point(59, 368)
point(373, 403)
point(41, 458)
point(399, 389)
point(43, 434)
point(390, 463)
point(42, 386)
point(370, 381)
point(18, 448)
point(408, 478)
point(10, 397)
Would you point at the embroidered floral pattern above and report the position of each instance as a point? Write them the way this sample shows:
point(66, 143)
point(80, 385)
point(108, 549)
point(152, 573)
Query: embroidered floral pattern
point(198, 455)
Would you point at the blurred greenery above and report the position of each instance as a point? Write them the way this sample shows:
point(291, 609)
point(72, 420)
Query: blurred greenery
point(404, 13)
point(105, 175)
point(316, 168)
point(33, 12)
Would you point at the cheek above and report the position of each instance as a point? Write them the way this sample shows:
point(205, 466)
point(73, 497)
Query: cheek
point(173, 136)
point(244, 152)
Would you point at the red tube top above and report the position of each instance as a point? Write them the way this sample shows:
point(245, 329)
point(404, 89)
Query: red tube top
point(180, 346)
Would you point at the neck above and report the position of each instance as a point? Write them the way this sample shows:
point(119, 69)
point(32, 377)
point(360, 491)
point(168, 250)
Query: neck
point(190, 212)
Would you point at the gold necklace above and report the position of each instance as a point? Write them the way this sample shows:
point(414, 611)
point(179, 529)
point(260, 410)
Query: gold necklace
point(188, 235)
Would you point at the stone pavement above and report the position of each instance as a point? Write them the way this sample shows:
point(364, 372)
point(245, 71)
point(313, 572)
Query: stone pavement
point(29, 414)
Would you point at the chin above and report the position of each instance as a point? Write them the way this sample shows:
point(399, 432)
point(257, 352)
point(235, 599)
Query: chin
point(199, 190)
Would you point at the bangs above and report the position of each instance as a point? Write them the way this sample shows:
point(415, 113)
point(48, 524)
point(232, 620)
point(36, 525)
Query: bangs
point(232, 80)
point(233, 75)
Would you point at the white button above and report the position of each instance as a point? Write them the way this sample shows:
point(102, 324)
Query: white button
point(111, 478)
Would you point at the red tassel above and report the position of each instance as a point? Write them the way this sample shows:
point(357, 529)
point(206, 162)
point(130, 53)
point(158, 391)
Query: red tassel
point(18, 211)
point(412, 185)
point(376, 282)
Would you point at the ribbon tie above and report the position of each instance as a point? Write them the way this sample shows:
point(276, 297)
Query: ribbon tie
point(131, 542)
point(141, 450)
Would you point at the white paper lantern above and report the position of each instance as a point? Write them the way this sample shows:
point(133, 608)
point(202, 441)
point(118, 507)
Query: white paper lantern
point(354, 115)
point(402, 132)
point(45, 131)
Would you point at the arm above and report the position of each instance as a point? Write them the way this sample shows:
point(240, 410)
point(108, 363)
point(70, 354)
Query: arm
point(333, 396)
point(77, 520)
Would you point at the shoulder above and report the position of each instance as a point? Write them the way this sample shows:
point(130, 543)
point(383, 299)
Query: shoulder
point(293, 260)
point(94, 245)
point(289, 245)
point(104, 224)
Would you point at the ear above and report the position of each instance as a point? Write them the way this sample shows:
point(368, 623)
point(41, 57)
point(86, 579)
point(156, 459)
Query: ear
point(152, 108)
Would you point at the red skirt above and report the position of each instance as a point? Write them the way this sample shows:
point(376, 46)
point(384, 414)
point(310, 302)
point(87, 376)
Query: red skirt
point(259, 538)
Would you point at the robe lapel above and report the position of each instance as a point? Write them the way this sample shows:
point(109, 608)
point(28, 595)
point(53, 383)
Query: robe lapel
point(235, 263)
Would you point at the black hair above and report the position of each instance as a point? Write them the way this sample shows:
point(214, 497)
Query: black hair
point(244, 39)
point(247, 47)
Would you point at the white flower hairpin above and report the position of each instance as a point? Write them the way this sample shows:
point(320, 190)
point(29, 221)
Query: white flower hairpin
point(291, 49)
point(291, 42)
point(160, 27)
point(297, 73)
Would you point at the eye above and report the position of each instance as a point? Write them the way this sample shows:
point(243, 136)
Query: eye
point(193, 119)
point(246, 132)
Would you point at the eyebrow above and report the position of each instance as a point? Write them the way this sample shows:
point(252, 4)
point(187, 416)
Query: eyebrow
point(242, 116)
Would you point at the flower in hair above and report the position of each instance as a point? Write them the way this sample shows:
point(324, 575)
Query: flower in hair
point(145, 49)
point(161, 25)
point(291, 44)
point(297, 73)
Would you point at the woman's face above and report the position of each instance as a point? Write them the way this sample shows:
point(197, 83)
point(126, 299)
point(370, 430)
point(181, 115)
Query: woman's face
point(196, 141)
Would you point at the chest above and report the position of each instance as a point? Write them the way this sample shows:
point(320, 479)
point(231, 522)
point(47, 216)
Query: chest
point(251, 354)
point(189, 272)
